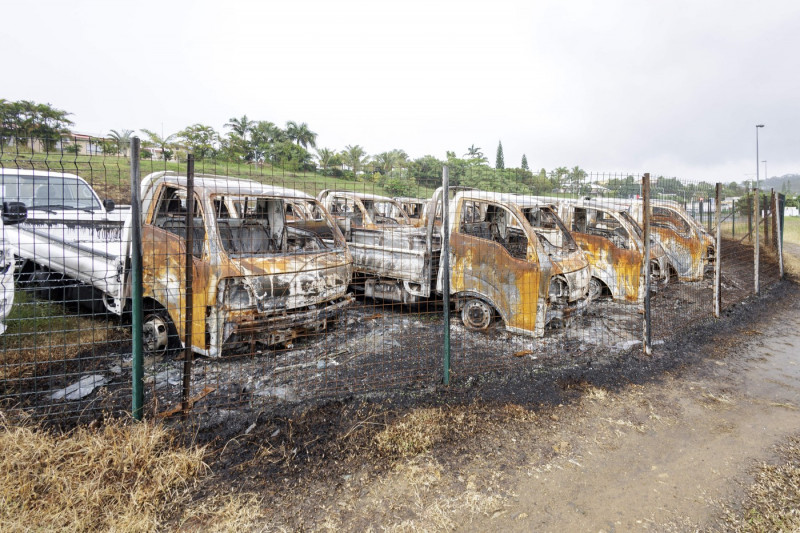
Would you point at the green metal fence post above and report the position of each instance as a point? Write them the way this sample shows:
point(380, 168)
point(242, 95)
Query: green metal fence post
point(137, 366)
point(445, 258)
point(647, 340)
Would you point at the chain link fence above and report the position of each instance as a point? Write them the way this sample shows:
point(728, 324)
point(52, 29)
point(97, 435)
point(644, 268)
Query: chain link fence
point(261, 288)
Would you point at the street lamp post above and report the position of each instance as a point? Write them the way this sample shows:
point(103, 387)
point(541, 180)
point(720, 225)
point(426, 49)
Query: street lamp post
point(758, 224)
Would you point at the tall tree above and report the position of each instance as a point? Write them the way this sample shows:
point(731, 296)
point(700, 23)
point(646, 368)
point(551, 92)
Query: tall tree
point(200, 139)
point(354, 157)
point(263, 137)
point(326, 157)
point(499, 162)
point(240, 126)
point(290, 155)
point(300, 134)
point(557, 176)
point(121, 140)
point(576, 177)
point(474, 152)
point(524, 164)
point(386, 161)
point(165, 144)
point(427, 170)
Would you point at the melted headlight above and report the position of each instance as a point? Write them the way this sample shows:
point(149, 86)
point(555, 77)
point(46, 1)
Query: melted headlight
point(236, 295)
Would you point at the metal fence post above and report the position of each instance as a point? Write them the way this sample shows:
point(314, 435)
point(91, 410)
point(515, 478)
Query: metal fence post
point(773, 207)
point(648, 347)
point(137, 364)
point(718, 259)
point(445, 258)
point(766, 218)
point(781, 204)
point(702, 211)
point(189, 273)
point(756, 231)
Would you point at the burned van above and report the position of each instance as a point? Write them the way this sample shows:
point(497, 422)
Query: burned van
point(511, 257)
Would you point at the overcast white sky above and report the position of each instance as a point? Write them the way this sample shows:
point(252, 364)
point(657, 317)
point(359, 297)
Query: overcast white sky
point(672, 88)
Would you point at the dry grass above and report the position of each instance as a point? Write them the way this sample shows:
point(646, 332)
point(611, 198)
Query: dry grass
point(122, 476)
point(773, 501)
point(225, 513)
point(412, 434)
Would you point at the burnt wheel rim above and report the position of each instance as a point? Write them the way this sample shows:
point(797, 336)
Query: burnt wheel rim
point(476, 315)
point(155, 334)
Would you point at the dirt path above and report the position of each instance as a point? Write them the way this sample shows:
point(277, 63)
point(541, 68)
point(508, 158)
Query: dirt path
point(677, 451)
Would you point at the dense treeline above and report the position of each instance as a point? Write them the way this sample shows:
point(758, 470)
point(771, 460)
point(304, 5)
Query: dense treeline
point(28, 120)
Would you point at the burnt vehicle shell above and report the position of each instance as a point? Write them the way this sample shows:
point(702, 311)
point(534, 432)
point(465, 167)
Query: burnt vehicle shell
point(517, 272)
point(256, 281)
point(414, 208)
point(393, 259)
point(612, 243)
point(690, 249)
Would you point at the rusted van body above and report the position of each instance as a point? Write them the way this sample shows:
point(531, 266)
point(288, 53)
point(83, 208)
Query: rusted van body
point(259, 277)
point(691, 250)
point(511, 256)
point(414, 208)
point(613, 244)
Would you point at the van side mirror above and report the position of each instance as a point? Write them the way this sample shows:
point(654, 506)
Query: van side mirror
point(14, 213)
point(109, 204)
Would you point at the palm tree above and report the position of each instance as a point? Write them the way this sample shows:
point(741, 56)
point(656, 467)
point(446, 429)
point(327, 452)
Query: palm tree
point(401, 158)
point(240, 126)
point(576, 176)
point(354, 157)
point(300, 134)
point(165, 143)
point(199, 139)
point(474, 152)
point(266, 132)
point(385, 161)
point(557, 176)
point(122, 140)
point(325, 157)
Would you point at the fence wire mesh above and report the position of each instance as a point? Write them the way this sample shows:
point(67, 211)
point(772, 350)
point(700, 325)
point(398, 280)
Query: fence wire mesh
point(293, 286)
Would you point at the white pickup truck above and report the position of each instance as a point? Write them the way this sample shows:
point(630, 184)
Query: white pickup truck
point(259, 277)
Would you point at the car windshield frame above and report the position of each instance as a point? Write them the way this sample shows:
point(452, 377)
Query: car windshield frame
point(49, 192)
